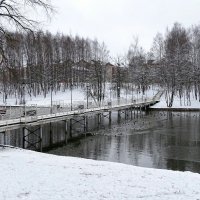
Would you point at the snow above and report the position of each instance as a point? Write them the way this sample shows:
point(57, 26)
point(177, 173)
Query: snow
point(177, 103)
point(59, 97)
point(28, 175)
point(79, 96)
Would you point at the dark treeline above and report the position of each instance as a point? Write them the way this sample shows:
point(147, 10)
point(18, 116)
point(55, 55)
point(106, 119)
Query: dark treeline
point(43, 62)
point(173, 63)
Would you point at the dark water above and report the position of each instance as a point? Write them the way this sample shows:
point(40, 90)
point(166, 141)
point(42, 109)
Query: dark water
point(167, 140)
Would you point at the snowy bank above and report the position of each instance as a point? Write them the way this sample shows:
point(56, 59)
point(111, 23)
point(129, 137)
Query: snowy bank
point(28, 175)
point(178, 104)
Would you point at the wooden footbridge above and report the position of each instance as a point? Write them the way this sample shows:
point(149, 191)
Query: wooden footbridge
point(32, 131)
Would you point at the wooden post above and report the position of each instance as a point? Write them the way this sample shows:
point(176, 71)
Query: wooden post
point(4, 137)
point(110, 118)
point(50, 135)
point(24, 138)
point(86, 123)
point(131, 113)
point(125, 113)
point(66, 131)
point(119, 116)
point(70, 128)
point(99, 120)
point(41, 136)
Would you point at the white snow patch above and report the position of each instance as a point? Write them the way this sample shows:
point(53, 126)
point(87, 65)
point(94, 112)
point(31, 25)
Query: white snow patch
point(28, 175)
point(59, 97)
point(177, 103)
point(79, 96)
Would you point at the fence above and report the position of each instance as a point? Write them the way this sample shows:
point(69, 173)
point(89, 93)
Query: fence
point(59, 107)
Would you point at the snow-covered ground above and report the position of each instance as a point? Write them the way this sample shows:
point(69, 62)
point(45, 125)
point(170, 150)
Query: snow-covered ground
point(177, 103)
point(59, 97)
point(28, 175)
point(78, 95)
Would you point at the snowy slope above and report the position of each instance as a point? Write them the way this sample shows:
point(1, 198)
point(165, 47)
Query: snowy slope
point(28, 175)
point(177, 103)
point(79, 95)
point(59, 97)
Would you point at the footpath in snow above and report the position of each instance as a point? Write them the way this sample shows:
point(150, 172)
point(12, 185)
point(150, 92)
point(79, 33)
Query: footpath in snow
point(28, 175)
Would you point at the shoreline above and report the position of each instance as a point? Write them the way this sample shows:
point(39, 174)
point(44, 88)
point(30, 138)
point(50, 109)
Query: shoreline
point(175, 109)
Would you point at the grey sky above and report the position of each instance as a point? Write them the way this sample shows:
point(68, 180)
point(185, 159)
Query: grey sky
point(116, 21)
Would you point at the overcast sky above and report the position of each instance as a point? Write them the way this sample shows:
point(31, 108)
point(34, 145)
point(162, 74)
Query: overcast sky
point(116, 21)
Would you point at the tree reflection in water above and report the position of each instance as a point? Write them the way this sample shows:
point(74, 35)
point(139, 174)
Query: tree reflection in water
point(167, 140)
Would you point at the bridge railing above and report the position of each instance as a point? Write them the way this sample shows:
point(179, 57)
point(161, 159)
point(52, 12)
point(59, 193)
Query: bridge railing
point(34, 112)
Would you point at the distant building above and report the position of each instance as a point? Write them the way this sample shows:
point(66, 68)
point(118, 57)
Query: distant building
point(110, 71)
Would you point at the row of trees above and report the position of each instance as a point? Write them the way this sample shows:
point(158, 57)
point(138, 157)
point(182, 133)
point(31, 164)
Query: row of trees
point(42, 62)
point(173, 63)
point(39, 62)
point(45, 62)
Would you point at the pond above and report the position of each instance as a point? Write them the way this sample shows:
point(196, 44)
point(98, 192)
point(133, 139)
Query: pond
point(165, 140)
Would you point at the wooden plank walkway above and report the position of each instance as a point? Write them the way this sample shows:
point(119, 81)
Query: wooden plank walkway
point(11, 124)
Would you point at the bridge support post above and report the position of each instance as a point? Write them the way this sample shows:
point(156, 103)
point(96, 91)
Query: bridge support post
point(110, 118)
point(50, 135)
point(86, 123)
point(131, 113)
point(99, 120)
point(41, 136)
point(142, 111)
point(66, 137)
point(24, 138)
point(32, 138)
point(126, 113)
point(119, 116)
point(70, 128)
point(4, 137)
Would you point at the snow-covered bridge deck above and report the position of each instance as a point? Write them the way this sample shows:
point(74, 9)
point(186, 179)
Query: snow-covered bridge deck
point(18, 122)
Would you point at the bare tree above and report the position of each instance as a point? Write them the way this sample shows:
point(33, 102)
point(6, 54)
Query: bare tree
point(195, 58)
point(177, 56)
point(12, 12)
point(12, 16)
point(158, 47)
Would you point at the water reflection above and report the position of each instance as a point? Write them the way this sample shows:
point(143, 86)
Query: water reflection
point(168, 140)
